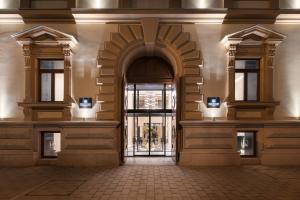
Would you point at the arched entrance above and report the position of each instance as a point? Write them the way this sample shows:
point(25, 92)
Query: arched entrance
point(133, 42)
point(149, 127)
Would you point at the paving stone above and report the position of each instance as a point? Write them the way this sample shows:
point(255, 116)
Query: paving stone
point(142, 181)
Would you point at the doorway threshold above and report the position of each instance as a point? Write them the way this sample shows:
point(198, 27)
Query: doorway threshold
point(149, 161)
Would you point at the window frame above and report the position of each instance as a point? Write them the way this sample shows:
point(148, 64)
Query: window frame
point(254, 143)
point(245, 72)
point(43, 143)
point(52, 72)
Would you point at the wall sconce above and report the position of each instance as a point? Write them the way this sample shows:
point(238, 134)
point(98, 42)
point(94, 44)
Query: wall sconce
point(201, 65)
point(100, 105)
point(199, 85)
point(199, 105)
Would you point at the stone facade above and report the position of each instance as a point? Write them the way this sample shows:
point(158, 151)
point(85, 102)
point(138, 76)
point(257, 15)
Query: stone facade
point(201, 45)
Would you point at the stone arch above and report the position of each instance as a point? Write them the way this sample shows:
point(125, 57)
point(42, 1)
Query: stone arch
point(149, 38)
point(149, 69)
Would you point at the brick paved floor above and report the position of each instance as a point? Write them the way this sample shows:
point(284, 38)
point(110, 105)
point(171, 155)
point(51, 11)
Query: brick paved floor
point(150, 182)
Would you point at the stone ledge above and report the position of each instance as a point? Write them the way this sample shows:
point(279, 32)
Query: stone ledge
point(285, 135)
point(208, 146)
point(241, 123)
point(89, 136)
point(284, 146)
point(89, 147)
point(14, 136)
point(63, 124)
point(207, 135)
point(14, 147)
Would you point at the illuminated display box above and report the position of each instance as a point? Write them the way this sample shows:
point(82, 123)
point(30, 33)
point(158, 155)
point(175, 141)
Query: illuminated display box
point(213, 102)
point(85, 102)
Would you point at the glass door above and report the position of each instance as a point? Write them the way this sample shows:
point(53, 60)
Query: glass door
point(142, 135)
point(150, 120)
point(157, 134)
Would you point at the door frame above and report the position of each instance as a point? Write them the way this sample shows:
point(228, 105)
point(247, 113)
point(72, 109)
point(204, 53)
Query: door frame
point(177, 84)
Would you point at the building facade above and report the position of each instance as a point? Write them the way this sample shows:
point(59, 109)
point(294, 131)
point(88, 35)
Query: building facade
point(93, 82)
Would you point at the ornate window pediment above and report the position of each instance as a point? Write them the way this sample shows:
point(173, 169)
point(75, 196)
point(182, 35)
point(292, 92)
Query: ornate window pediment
point(257, 43)
point(39, 44)
point(43, 35)
point(255, 35)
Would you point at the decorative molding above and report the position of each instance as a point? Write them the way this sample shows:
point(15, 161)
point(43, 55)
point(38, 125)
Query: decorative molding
point(197, 16)
point(32, 41)
point(241, 124)
point(43, 35)
point(288, 18)
point(62, 124)
point(11, 18)
point(170, 41)
point(264, 42)
point(263, 36)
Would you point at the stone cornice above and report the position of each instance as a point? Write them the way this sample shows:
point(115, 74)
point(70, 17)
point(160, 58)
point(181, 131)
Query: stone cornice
point(60, 124)
point(250, 104)
point(243, 123)
point(220, 15)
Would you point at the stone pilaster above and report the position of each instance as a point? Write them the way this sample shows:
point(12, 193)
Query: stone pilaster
point(270, 50)
point(67, 73)
point(230, 73)
point(28, 74)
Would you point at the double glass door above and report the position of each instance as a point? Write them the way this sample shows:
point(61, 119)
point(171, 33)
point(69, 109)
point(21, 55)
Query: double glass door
point(149, 134)
point(150, 120)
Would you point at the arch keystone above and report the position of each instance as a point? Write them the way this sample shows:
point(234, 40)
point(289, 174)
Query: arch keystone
point(150, 27)
point(150, 38)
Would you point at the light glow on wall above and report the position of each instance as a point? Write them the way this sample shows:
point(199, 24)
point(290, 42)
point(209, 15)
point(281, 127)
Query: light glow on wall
point(202, 4)
point(289, 4)
point(2, 114)
point(5, 107)
point(9, 4)
point(85, 113)
point(295, 4)
point(97, 4)
point(213, 113)
point(296, 106)
point(11, 19)
point(4, 4)
point(288, 19)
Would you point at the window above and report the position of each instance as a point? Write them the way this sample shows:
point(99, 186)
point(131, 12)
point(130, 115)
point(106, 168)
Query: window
point(247, 80)
point(51, 80)
point(246, 143)
point(51, 144)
